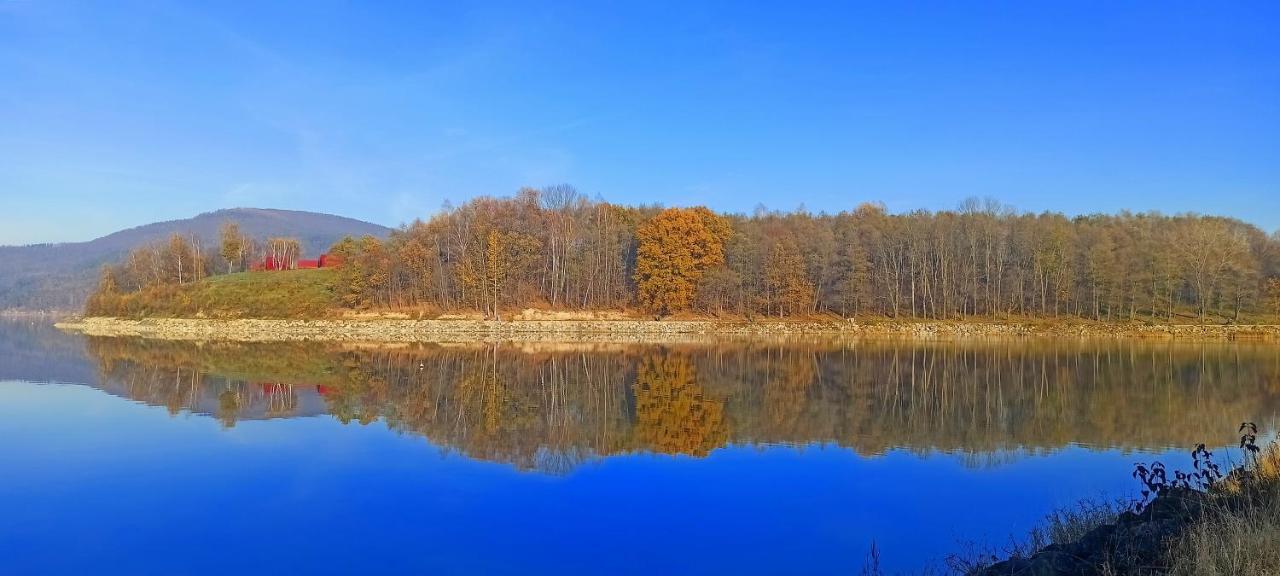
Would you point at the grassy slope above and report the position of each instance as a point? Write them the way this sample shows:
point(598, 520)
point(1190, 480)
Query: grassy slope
point(286, 294)
point(1241, 532)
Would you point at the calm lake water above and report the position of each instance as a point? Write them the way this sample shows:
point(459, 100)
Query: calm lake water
point(132, 457)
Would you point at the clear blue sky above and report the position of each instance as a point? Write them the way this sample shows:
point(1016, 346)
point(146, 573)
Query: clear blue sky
point(114, 114)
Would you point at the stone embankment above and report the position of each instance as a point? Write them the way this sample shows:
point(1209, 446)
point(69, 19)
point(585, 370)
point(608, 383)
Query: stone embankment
point(401, 330)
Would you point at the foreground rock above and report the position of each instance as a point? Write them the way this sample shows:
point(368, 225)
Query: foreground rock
point(1135, 544)
point(405, 330)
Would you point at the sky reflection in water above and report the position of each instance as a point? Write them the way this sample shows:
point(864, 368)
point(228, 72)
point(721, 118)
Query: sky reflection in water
point(506, 461)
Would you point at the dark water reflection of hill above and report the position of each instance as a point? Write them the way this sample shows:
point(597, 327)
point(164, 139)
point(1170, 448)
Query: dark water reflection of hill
point(32, 349)
point(552, 407)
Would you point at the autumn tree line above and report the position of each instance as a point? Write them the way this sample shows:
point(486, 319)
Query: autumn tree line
point(555, 248)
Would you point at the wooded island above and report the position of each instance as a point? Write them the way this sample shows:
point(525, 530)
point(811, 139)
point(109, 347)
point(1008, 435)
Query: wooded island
point(555, 249)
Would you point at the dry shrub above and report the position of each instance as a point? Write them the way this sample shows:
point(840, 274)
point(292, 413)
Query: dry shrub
point(1066, 525)
point(1241, 532)
point(1061, 526)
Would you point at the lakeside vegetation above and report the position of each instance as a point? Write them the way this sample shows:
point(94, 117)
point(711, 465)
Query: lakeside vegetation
point(1196, 522)
point(1240, 529)
point(554, 249)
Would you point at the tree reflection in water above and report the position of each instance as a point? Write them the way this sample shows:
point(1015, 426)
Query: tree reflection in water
point(673, 414)
point(551, 407)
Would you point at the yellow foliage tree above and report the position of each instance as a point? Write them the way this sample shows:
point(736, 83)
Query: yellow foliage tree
point(1273, 295)
point(232, 245)
point(375, 263)
point(364, 274)
point(674, 249)
point(788, 283)
point(105, 301)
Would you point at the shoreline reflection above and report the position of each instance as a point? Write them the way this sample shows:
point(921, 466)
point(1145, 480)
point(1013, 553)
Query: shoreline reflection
point(552, 407)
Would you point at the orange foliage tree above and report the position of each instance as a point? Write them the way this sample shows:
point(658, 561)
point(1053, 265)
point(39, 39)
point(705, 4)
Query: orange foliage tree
point(674, 249)
point(787, 281)
point(362, 278)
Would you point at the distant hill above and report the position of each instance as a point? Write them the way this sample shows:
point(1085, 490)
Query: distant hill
point(60, 276)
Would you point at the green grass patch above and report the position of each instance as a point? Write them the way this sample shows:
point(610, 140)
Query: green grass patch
point(282, 294)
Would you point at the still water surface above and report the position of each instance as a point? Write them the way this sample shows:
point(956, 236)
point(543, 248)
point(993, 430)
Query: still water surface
point(132, 457)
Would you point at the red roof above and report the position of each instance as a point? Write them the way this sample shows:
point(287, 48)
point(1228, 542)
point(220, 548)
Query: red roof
point(324, 261)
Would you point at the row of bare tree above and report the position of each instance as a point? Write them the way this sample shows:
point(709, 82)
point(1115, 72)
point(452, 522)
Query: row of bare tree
point(555, 248)
point(550, 247)
point(183, 259)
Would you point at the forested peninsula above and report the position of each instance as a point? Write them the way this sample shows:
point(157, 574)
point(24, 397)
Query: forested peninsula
point(555, 254)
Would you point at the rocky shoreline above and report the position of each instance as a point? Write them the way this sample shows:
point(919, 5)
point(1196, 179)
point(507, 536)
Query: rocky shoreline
point(1136, 543)
point(403, 330)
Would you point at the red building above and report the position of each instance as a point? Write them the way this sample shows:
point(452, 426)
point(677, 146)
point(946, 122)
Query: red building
point(268, 264)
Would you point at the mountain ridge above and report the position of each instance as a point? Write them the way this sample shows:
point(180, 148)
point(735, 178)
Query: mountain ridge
point(59, 276)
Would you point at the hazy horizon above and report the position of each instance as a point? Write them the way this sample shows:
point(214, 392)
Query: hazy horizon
point(395, 225)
